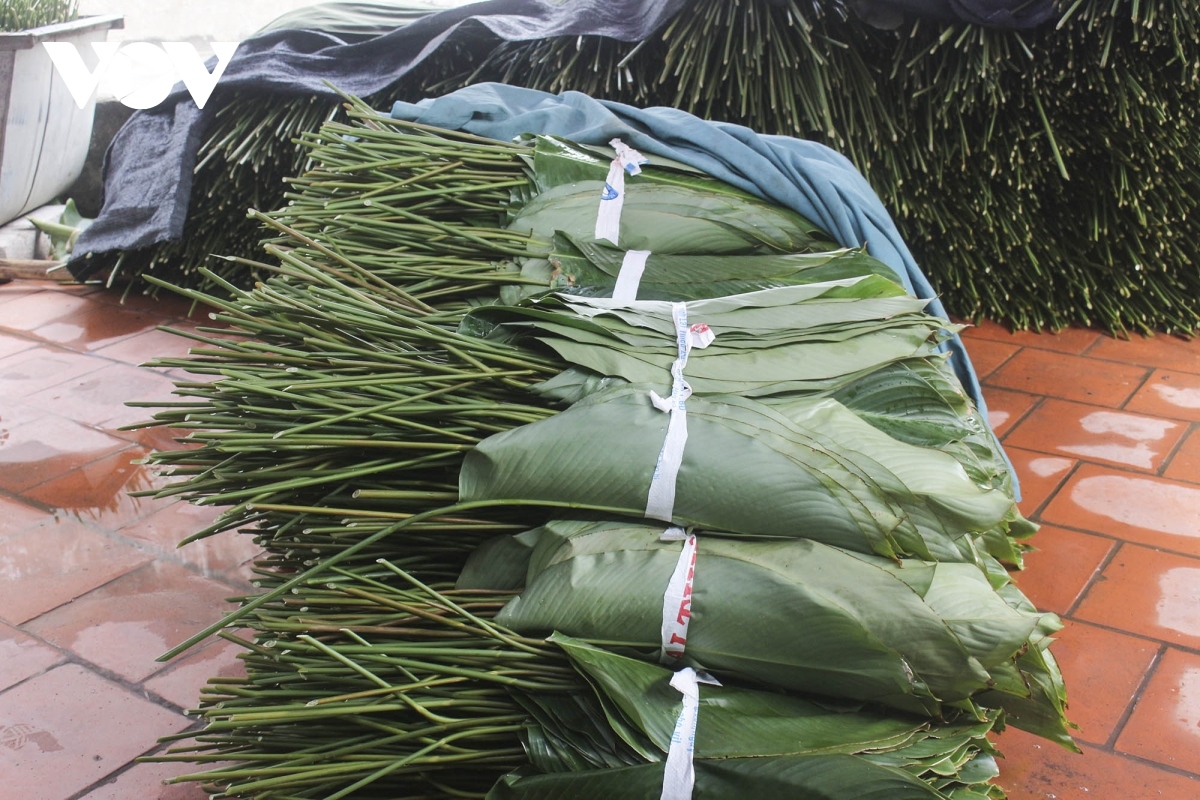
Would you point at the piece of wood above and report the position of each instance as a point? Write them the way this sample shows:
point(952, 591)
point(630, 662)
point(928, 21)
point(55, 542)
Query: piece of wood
point(16, 269)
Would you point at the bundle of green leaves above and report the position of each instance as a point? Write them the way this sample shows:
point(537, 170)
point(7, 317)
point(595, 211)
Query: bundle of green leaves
point(431, 365)
point(366, 689)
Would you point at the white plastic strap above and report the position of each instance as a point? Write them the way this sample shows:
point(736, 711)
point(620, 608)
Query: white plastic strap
point(677, 601)
point(630, 276)
point(612, 199)
point(660, 502)
point(631, 160)
point(680, 774)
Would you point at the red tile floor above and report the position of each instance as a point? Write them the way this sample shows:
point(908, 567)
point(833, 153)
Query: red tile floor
point(1104, 433)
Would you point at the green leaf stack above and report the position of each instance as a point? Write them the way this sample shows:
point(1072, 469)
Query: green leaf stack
point(433, 388)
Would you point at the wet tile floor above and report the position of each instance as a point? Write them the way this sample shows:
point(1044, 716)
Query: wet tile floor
point(1104, 433)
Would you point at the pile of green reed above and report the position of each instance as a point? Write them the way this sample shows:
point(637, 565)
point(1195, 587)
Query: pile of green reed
point(1042, 177)
point(338, 399)
point(356, 686)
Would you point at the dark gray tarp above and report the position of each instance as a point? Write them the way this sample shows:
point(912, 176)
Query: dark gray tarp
point(148, 168)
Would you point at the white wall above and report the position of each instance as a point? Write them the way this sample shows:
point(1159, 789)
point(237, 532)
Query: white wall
point(202, 20)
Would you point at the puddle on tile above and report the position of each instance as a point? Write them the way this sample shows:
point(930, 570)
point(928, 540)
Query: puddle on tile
point(1179, 608)
point(95, 326)
point(36, 448)
point(1153, 505)
point(98, 492)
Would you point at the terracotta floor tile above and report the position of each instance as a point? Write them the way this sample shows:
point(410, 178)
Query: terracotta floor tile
point(1069, 377)
point(1185, 464)
point(1165, 725)
point(154, 437)
point(182, 681)
point(1102, 670)
point(167, 305)
point(1091, 433)
point(39, 447)
point(10, 344)
point(1147, 592)
point(1175, 395)
point(17, 290)
point(986, 355)
point(1034, 769)
point(95, 326)
point(1068, 340)
point(1138, 508)
point(1164, 352)
point(98, 492)
point(1060, 566)
point(1005, 408)
point(50, 564)
point(40, 308)
point(137, 350)
point(126, 625)
point(98, 398)
point(244, 576)
point(145, 782)
point(67, 729)
point(22, 656)
point(16, 516)
point(1039, 474)
point(41, 367)
point(164, 530)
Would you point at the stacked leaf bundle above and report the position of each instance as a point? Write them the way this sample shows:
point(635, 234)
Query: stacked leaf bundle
point(968, 134)
point(435, 362)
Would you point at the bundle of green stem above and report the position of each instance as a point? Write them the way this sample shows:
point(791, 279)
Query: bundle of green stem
point(357, 687)
point(369, 401)
point(346, 391)
point(1041, 177)
point(345, 394)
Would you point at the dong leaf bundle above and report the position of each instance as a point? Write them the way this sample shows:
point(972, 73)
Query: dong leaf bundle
point(417, 689)
point(795, 614)
point(424, 371)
